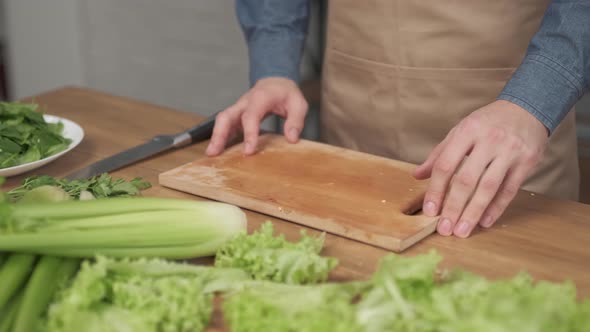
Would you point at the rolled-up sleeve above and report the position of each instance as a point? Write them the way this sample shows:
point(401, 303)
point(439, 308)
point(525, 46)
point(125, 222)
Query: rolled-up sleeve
point(275, 32)
point(555, 72)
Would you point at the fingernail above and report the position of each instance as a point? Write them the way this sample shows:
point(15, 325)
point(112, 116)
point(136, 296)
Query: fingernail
point(462, 229)
point(210, 149)
point(430, 209)
point(248, 148)
point(444, 227)
point(293, 133)
point(487, 221)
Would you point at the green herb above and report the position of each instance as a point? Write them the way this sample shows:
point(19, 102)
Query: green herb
point(268, 257)
point(25, 136)
point(102, 186)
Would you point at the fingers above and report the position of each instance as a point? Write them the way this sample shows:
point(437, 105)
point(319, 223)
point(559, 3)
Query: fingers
point(508, 190)
point(484, 194)
point(424, 171)
point(258, 105)
point(296, 111)
point(226, 124)
point(462, 188)
point(443, 169)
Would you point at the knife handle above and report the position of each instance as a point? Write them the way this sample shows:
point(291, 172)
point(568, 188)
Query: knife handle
point(203, 130)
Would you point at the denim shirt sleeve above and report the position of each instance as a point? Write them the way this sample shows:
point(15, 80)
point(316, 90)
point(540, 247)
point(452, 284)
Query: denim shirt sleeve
point(555, 73)
point(275, 32)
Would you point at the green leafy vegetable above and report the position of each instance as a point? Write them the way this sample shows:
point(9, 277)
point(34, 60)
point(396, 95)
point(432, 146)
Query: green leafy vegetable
point(580, 322)
point(269, 306)
point(25, 136)
point(50, 273)
point(102, 186)
point(406, 297)
point(139, 295)
point(269, 257)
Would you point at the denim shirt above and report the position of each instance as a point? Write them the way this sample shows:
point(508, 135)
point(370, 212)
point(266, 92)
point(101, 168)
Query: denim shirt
point(553, 76)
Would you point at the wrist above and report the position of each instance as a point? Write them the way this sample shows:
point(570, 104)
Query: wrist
point(525, 115)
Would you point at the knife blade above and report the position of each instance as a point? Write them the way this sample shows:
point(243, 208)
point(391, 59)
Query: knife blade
point(156, 145)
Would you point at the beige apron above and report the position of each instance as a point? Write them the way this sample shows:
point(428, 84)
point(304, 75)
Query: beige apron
point(398, 75)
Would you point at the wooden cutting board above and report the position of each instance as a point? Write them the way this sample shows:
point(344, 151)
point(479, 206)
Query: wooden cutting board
point(344, 192)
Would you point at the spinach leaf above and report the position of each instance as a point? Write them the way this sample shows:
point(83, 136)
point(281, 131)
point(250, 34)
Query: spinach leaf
point(25, 136)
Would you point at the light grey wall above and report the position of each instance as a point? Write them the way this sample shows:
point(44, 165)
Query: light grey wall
point(185, 54)
point(42, 40)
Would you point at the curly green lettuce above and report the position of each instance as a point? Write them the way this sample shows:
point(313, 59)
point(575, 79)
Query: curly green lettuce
point(139, 295)
point(396, 287)
point(406, 296)
point(269, 257)
point(268, 306)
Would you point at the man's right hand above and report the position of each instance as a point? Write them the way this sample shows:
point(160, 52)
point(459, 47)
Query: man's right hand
point(276, 95)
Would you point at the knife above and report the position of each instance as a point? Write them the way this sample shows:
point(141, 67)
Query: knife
point(156, 145)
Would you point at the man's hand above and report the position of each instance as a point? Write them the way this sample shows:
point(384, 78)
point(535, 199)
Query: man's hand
point(276, 95)
point(479, 167)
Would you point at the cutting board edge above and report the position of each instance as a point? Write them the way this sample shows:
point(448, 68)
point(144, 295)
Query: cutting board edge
point(411, 240)
point(329, 225)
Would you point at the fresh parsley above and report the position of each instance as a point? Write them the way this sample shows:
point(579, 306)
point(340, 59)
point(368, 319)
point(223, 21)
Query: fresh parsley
point(99, 186)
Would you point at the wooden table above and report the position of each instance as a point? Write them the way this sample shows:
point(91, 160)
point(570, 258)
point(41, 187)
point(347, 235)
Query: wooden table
point(548, 238)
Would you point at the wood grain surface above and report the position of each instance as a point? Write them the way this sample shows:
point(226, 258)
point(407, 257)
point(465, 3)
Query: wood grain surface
point(548, 238)
point(344, 192)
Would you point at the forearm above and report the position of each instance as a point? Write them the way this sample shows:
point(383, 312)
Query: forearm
point(275, 32)
point(555, 72)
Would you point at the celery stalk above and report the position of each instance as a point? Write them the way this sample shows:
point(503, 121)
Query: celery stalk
point(50, 273)
point(14, 274)
point(120, 227)
point(2, 259)
point(173, 252)
point(111, 206)
point(7, 318)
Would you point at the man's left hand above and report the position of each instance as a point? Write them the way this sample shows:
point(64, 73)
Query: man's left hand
point(477, 170)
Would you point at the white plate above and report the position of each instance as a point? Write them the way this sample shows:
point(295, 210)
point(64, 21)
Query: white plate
point(71, 130)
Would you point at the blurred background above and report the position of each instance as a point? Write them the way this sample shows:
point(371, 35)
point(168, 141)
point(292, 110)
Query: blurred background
point(185, 54)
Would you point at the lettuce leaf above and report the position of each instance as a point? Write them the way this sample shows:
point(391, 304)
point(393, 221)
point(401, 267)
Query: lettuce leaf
point(269, 306)
point(406, 296)
point(471, 303)
point(268, 257)
point(399, 285)
point(139, 295)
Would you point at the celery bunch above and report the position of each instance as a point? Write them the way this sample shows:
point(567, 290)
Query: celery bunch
point(119, 227)
point(45, 217)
